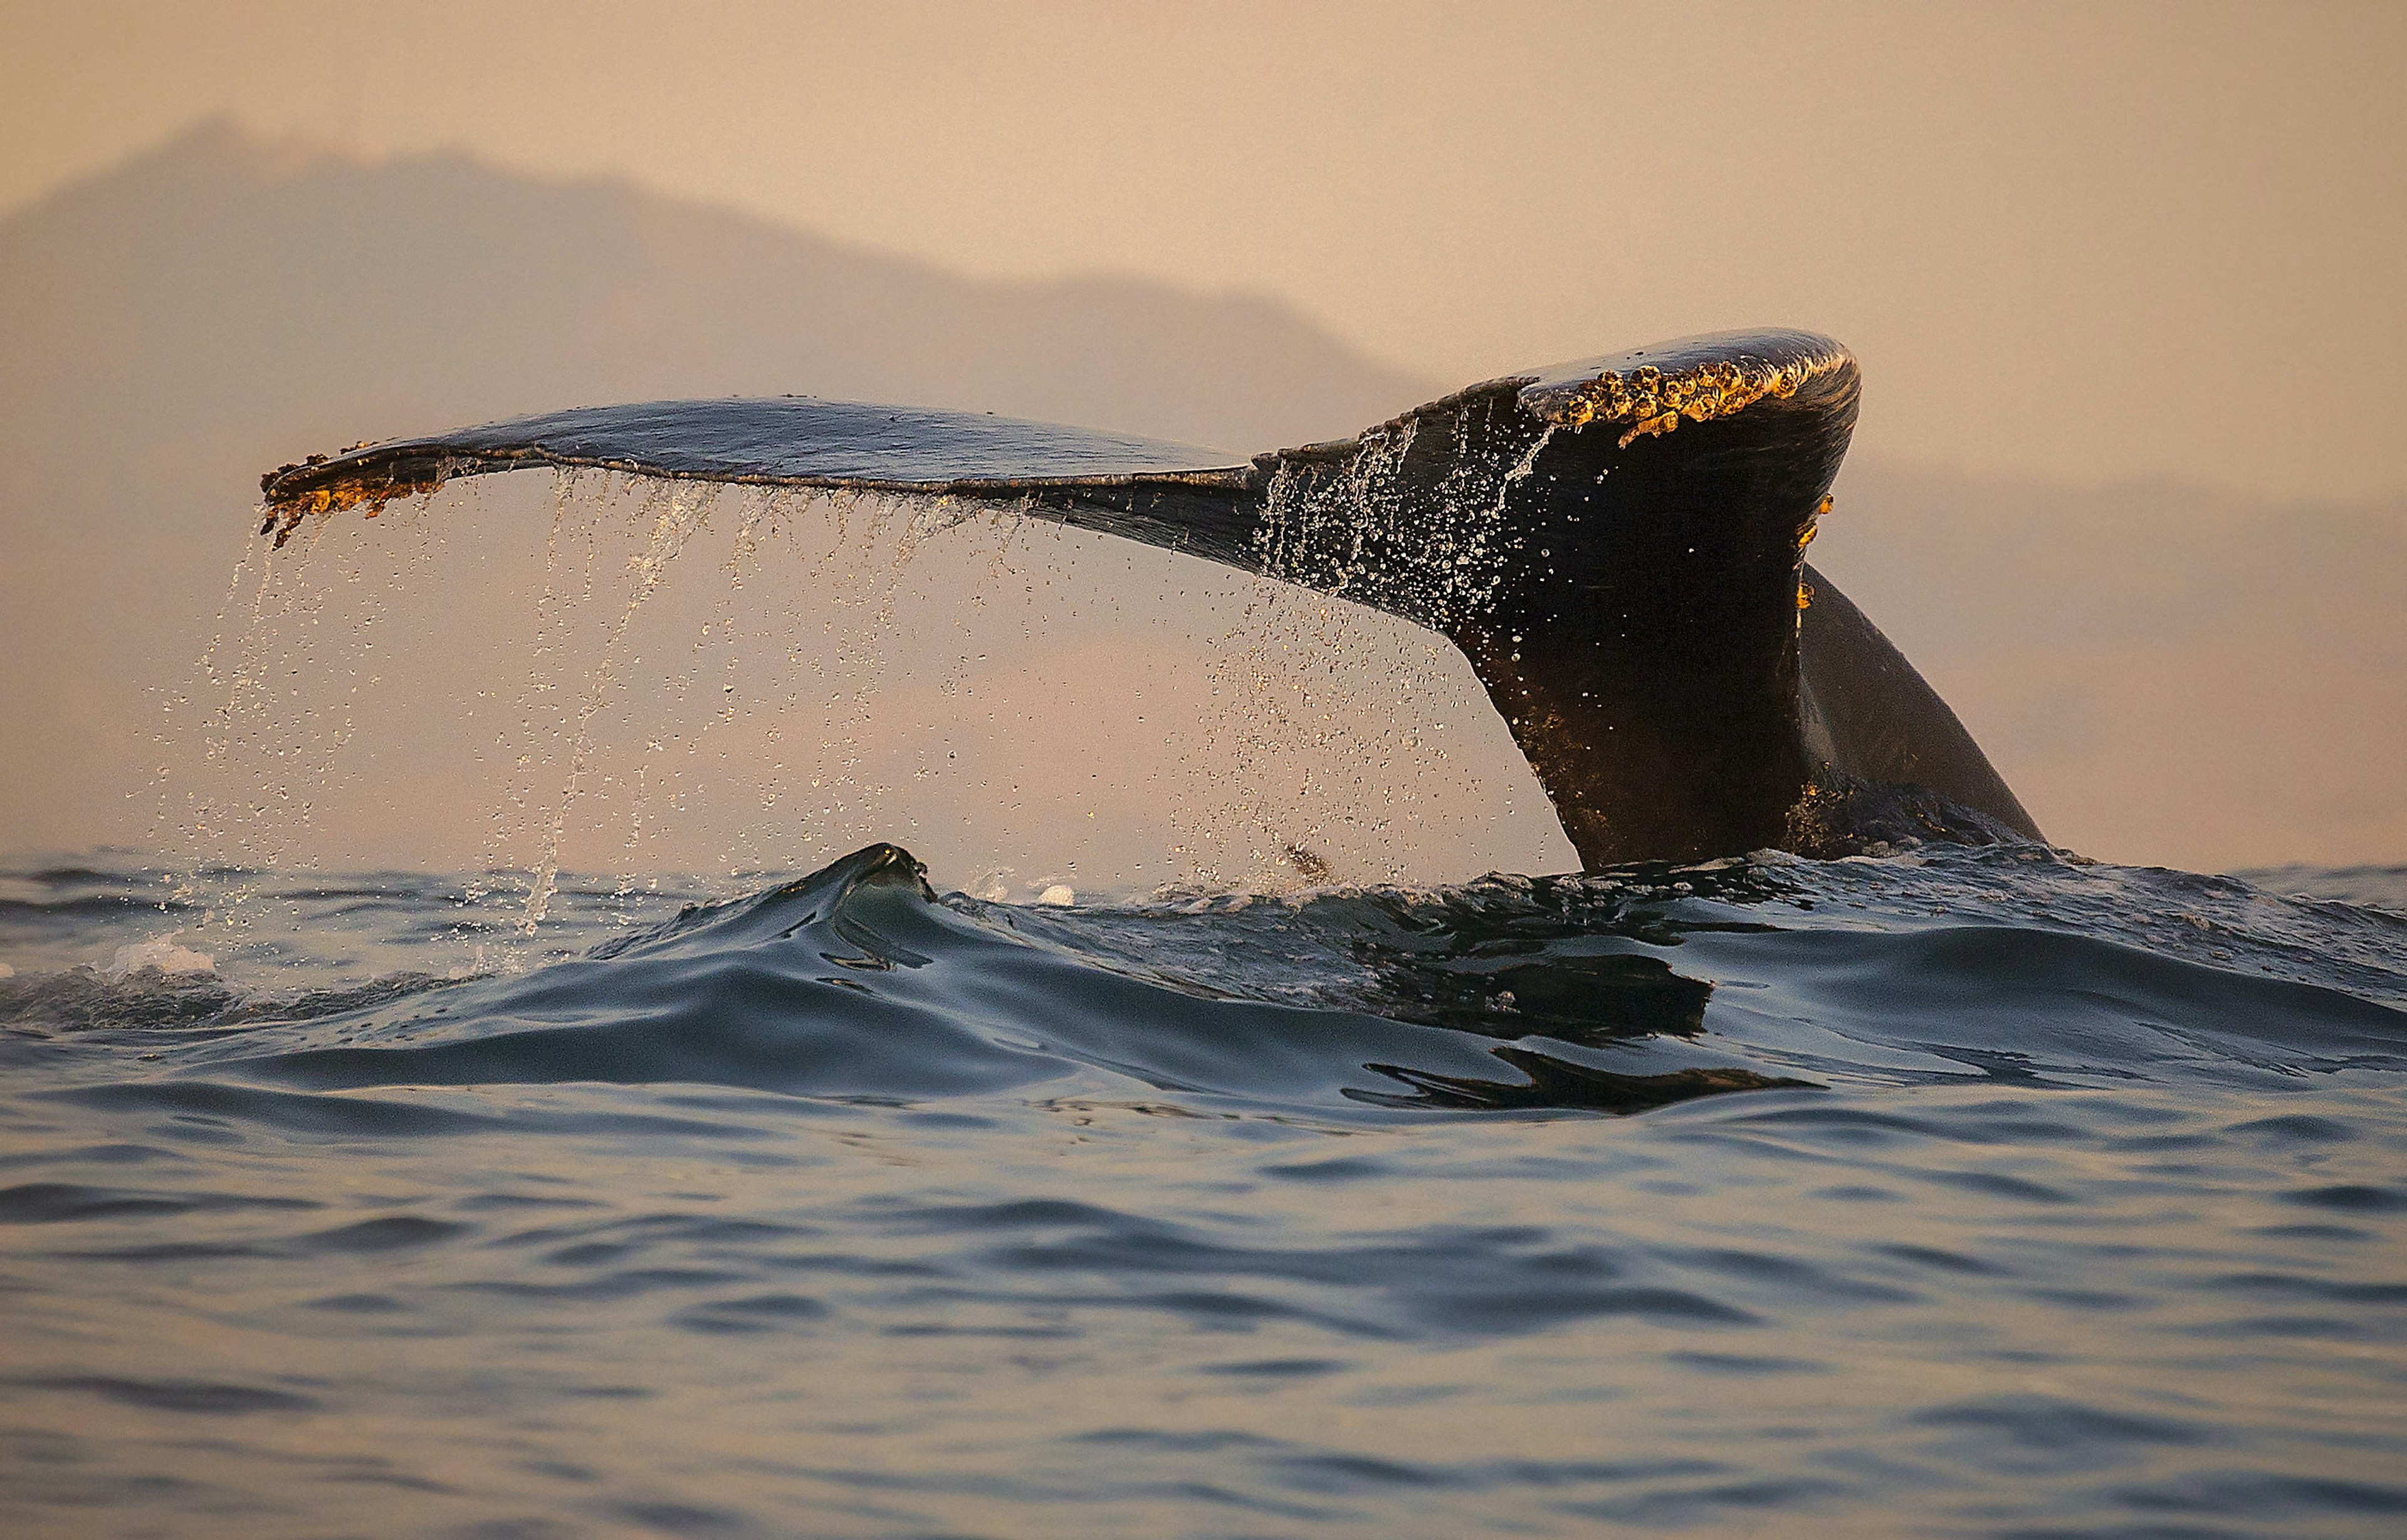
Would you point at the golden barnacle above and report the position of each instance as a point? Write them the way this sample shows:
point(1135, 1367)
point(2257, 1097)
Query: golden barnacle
point(1661, 423)
point(369, 493)
point(1655, 402)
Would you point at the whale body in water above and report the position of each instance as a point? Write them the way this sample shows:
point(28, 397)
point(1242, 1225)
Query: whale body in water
point(1617, 544)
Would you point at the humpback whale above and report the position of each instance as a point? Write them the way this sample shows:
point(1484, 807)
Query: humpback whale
point(1615, 544)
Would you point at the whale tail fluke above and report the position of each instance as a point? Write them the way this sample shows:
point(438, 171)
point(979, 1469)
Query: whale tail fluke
point(1617, 544)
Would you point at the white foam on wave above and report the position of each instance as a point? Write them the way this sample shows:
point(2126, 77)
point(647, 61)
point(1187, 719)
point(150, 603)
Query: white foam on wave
point(160, 952)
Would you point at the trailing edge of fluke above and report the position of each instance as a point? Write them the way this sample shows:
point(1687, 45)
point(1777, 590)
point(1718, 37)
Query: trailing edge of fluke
point(1617, 546)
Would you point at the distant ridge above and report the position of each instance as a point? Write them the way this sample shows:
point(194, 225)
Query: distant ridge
point(439, 284)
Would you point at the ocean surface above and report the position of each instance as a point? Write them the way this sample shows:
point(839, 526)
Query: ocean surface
point(1956, 1192)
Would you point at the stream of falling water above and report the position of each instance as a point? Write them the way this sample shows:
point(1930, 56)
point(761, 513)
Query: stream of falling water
point(837, 669)
point(674, 511)
point(1306, 765)
point(1359, 527)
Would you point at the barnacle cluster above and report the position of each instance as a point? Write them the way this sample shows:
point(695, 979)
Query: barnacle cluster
point(1653, 402)
point(368, 488)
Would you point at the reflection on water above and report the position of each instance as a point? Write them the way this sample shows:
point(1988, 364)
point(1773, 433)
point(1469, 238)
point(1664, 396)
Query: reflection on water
point(1982, 1191)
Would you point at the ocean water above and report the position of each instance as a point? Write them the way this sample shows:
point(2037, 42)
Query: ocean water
point(1959, 1192)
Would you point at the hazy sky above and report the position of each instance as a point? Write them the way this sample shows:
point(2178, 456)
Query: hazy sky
point(2090, 242)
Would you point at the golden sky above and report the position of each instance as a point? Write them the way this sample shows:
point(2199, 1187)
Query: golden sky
point(2088, 242)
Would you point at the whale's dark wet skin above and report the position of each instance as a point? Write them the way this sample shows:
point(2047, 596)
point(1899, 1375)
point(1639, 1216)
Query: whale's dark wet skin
point(1978, 1192)
point(1617, 544)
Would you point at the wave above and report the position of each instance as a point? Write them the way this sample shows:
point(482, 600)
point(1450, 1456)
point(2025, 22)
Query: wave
point(1615, 992)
